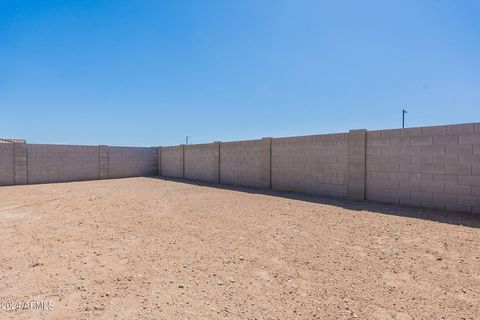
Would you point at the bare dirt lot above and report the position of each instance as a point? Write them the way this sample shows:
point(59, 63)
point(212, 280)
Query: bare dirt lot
point(146, 248)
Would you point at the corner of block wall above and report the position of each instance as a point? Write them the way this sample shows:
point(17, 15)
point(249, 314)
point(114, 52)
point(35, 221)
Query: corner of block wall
point(356, 172)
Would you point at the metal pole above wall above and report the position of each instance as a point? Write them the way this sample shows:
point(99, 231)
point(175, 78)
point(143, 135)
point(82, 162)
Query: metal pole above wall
point(403, 118)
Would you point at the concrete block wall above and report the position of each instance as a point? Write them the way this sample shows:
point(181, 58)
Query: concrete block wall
point(22, 163)
point(202, 162)
point(246, 163)
point(356, 164)
point(435, 167)
point(311, 164)
point(61, 163)
point(7, 164)
point(132, 162)
point(103, 162)
point(171, 161)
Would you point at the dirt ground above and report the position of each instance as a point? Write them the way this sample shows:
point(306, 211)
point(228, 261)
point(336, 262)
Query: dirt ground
point(146, 248)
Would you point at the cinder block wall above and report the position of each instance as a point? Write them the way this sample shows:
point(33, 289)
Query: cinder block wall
point(7, 164)
point(202, 161)
point(22, 163)
point(171, 161)
point(131, 162)
point(435, 167)
point(60, 163)
point(241, 163)
point(311, 164)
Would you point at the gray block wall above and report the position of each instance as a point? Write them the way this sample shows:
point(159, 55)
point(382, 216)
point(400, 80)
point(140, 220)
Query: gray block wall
point(22, 163)
point(131, 162)
point(171, 161)
point(202, 162)
point(435, 167)
point(103, 162)
point(311, 164)
point(62, 163)
point(21, 176)
point(7, 164)
point(356, 165)
point(245, 163)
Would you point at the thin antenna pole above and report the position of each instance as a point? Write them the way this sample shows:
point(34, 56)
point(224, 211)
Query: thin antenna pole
point(186, 139)
point(403, 117)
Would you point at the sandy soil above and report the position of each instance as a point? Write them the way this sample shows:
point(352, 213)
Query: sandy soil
point(145, 248)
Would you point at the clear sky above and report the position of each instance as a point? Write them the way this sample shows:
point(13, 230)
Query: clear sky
point(151, 72)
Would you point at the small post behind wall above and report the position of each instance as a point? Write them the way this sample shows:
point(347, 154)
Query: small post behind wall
point(356, 164)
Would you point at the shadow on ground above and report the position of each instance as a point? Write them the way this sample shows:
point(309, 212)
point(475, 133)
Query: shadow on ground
point(441, 216)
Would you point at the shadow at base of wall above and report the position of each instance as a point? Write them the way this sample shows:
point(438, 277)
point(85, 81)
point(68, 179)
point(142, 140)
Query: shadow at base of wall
point(437, 215)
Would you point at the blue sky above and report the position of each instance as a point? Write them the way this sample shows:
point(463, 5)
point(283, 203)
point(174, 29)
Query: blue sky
point(151, 72)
